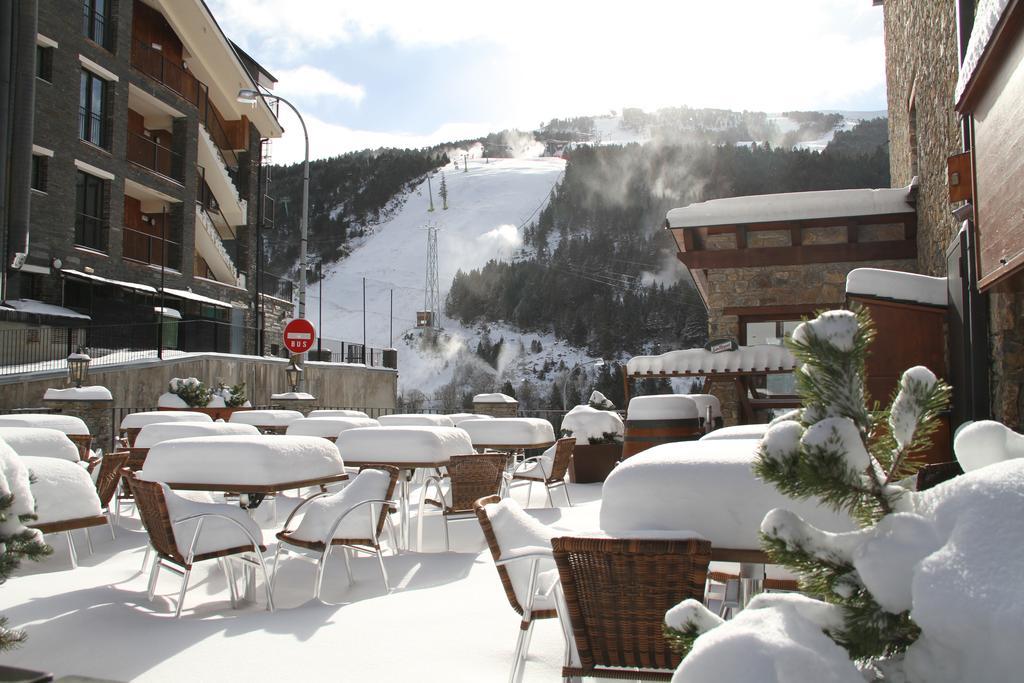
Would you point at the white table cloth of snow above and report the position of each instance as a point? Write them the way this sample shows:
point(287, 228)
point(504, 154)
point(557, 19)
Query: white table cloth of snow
point(241, 459)
point(707, 487)
point(68, 424)
point(459, 418)
point(737, 432)
point(516, 432)
point(40, 442)
point(663, 407)
point(493, 398)
point(588, 423)
point(62, 490)
point(697, 361)
point(415, 420)
point(265, 418)
point(140, 420)
point(403, 444)
point(986, 442)
point(894, 284)
point(705, 401)
point(158, 432)
point(93, 393)
point(336, 412)
point(328, 426)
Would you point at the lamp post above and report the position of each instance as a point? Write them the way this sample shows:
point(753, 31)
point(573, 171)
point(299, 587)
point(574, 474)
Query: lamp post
point(250, 96)
point(294, 374)
point(78, 367)
point(597, 363)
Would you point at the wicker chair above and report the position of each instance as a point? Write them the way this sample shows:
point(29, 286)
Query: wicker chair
point(552, 474)
point(514, 587)
point(616, 592)
point(371, 545)
point(470, 477)
point(151, 501)
point(107, 482)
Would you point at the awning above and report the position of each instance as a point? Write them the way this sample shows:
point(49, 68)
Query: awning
point(107, 281)
point(167, 312)
point(39, 308)
point(192, 296)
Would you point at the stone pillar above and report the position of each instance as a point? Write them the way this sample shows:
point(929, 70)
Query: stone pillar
point(497, 409)
point(97, 414)
point(304, 403)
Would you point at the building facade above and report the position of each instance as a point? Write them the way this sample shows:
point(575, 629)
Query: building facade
point(145, 186)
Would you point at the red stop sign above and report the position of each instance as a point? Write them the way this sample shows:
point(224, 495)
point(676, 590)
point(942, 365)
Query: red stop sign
point(299, 335)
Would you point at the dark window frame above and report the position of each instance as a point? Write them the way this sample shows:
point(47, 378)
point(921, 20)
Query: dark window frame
point(93, 125)
point(40, 173)
point(44, 63)
point(92, 195)
point(96, 24)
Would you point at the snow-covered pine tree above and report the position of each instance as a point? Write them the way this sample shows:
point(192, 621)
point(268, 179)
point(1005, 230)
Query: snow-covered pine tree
point(17, 541)
point(849, 457)
point(443, 192)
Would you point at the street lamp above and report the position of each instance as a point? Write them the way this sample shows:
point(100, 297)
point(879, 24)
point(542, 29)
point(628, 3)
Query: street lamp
point(294, 374)
point(597, 363)
point(251, 96)
point(78, 367)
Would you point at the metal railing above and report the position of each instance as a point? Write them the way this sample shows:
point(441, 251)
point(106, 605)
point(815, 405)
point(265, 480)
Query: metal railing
point(156, 157)
point(276, 286)
point(146, 248)
point(154, 64)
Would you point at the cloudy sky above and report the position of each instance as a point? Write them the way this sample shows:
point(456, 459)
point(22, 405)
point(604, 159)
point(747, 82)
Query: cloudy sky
point(371, 73)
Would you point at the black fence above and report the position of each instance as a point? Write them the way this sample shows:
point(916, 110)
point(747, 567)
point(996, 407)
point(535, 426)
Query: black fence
point(35, 349)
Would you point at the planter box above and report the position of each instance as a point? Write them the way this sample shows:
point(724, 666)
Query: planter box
point(214, 413)
point(592, 462)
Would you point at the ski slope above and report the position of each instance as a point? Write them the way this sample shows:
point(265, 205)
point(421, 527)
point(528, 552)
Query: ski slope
point(488, 205)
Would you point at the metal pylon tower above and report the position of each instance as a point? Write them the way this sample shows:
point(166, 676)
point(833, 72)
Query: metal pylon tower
point(432, 297)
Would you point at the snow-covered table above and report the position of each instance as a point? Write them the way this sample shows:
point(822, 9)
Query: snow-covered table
point(268, 421)
point(74, 427)
point(328, 427)
point(459, 418)
point(404, 447)
point(415, 420)
point(336, 412)
point(158, 432)
point(65, 497)
point(40, 442)
point(510, 433)
point(132, 423)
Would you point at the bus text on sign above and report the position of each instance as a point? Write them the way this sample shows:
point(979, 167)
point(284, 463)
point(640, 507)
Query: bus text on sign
point(299, 335)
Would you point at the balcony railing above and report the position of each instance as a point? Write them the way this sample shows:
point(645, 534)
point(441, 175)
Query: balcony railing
point(276, 286)
point(163, 160)
point(154, 64)
point(152, 249)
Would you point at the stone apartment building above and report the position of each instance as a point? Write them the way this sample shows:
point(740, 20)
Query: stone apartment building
point(136, 184)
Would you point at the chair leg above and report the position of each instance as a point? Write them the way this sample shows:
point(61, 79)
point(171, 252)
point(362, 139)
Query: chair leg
point(277, 559)
point(348, 565)
point(383, 572)
point(71, 550)
point(181, 593)
point(145, 558)
point(88, 542)
point(565, 487)
point(319, 580)
point(447, 538)
point(392, 538)
point(522, 648)
point(266, 579)
point(547, 489)
point(153, 574)
point(110, 525)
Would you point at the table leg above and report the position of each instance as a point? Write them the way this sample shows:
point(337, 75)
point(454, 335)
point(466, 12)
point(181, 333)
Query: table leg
point(751, 582)
point(249, 503)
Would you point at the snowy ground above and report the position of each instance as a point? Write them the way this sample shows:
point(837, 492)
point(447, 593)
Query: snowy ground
point(447, 617)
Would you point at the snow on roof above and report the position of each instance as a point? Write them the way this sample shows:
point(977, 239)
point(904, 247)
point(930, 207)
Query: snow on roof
point(328, 426)
point(987, 15)
point(509, 431)
point(403, 444)
point(493, 398)
point(697, 361)
point(158, 432)
point(266, 418)
point(167, 312)
point(39, 308)
point(139, 420)
point(893, 284)
point(93, 393)
point(184, 294)
point(242, 459)
point(119, 283)
point(791, 206)
point(69, 424)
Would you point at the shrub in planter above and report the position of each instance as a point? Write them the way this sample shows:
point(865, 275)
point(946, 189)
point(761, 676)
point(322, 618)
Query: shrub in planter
point(193, 392)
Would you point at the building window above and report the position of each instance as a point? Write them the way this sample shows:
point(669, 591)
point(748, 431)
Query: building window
point(40, 169)
point(92, 110)
point(91, 221)
point(44, 63)
point(95, 24)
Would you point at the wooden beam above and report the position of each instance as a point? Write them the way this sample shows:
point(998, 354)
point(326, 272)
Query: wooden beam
point(780, 310)
point(802, 255)
point(688, 244)
point(741, 237)
point(852, 233)
point(796, 236)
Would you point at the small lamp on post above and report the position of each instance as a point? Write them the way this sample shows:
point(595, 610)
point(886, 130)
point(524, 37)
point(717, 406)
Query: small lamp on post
point(294, 374)
point(78, 367)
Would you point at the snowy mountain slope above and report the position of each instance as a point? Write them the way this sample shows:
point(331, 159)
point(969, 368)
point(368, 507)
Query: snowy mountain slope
point(487, 206)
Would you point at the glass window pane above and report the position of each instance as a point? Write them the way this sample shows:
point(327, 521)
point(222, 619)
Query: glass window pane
point(760, 333)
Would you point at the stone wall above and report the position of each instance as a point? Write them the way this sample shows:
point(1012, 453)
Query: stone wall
point(1006, 377)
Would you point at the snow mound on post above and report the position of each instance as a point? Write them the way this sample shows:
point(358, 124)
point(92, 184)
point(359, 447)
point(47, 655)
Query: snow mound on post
point(40, 442)
point(986, 442)
point(663, 407)
point(62, 490)
point(697, 361)
point(586, 424)
point(158, 432)
point(776, 639)
point(893, 284)
point(93, 393)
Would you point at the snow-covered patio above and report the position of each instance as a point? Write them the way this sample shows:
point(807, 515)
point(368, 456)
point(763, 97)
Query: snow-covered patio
point(447, 612)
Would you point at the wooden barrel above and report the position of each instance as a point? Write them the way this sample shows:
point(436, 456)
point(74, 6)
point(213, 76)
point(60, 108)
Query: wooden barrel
point(644, 434)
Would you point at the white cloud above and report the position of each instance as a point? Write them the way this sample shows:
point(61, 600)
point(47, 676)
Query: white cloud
point(311, 81)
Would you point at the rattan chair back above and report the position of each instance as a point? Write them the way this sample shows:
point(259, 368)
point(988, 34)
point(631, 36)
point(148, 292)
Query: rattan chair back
point(563, 458)
point(617, 592)
point(109, 474)
point(149, 499)
point(473, 477)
